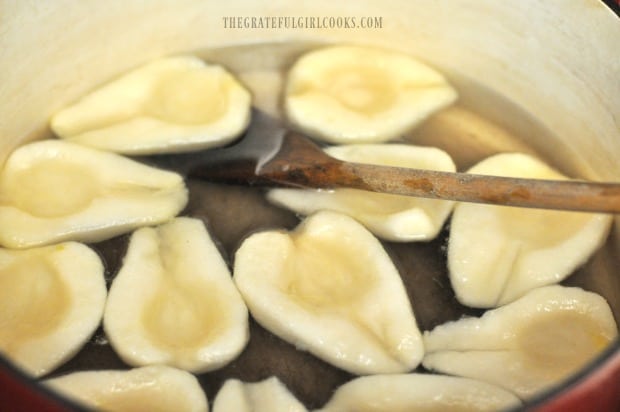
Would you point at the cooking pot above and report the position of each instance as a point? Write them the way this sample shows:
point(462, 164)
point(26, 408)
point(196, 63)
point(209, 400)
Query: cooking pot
point(557, 60)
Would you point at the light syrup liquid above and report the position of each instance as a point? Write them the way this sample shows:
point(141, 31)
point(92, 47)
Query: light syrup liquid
point(480, 124)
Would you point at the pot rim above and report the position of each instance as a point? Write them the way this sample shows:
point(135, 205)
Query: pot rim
point(605, 366)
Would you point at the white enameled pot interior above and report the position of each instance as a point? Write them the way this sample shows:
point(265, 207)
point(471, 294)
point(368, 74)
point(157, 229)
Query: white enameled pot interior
point(558, 60)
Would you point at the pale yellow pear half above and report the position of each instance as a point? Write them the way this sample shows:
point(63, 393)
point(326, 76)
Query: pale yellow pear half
point(330, 288)
point(419, 392)
point(53, 191)
point(529, 345)
point(269, 395)
point(497, 253)
point(355, 94)
point(174, 104)
point(173, 301)
point(51, 302)
point(151, 388)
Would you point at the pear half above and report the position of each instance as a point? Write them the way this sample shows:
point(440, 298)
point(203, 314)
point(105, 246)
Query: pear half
point(498, 253)
point(419, 392)
point(330, 288)
point(173, 104)
point(353, 94)
point(391, 217)
point(53, 191)
point(528, 345)
point(269, 395)
point(151, 388)
point(174, 302)
point(51, 302)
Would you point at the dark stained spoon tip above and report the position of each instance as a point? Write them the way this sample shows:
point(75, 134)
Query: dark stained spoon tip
point(270, 155)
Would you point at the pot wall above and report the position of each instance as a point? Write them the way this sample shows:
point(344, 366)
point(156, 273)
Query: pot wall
point(558, 59)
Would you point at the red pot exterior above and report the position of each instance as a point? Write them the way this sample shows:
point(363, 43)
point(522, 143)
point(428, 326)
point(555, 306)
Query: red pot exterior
point(18, 394)
point(598, 391)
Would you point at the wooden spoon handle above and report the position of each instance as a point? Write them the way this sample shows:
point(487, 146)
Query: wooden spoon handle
point(508, 191)
point(300, 163)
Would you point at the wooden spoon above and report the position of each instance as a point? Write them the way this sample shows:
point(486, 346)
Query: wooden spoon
point(271, 155)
